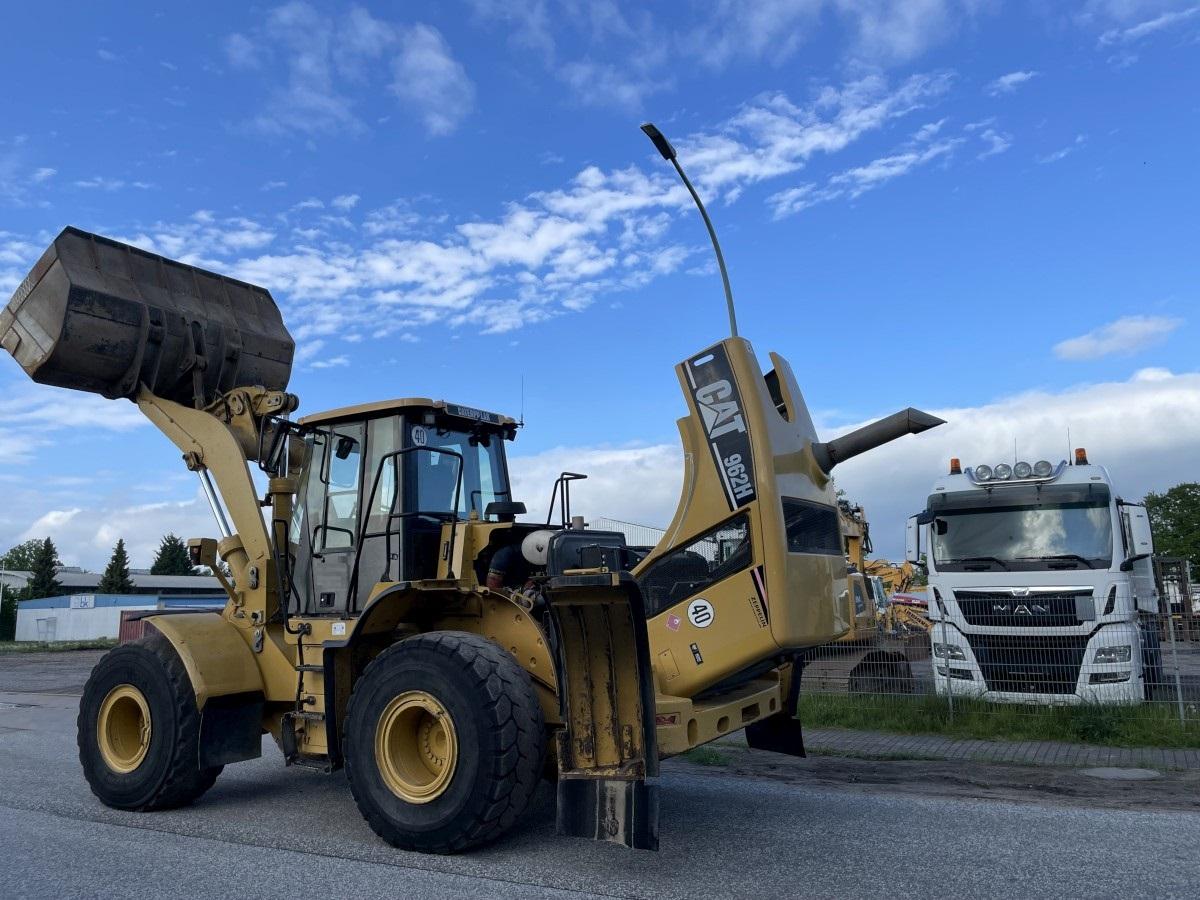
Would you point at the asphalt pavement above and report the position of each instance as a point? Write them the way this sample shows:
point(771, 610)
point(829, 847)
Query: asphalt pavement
point(268, 831)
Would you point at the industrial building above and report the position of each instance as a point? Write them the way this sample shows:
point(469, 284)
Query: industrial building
point(81, 614)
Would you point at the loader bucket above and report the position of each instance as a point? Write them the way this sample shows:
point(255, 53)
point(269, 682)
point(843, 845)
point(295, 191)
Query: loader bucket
point(100, 316)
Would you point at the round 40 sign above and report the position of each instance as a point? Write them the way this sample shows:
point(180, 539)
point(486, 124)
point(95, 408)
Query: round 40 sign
point(700, 613)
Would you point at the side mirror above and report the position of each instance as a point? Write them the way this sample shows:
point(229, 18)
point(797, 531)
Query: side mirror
point(1141, 538)
point(272, 443)
point(912, 540)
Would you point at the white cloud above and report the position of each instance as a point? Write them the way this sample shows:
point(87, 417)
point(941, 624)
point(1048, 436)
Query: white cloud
point(608, 84)
point(1008, 84)
point(345, 201)
point(635, 484)
point(333, 362)
point(1063, 152)
point(33, 414)
point(45, 173)
point(203, 239)
point(772, 136)
point(997, 142)
point(241, 52)
point(318, 52)
point(101, 183)
point(430, 80)
point(85, 535)
point(925, 146)
point(1125, 336)
point(1147, 27)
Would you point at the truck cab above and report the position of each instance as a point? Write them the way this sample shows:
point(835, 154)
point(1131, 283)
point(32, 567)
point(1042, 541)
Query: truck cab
point(1041, 584)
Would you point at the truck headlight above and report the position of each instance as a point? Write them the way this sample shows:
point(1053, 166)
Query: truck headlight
point(1121, 654)
point(949, 651)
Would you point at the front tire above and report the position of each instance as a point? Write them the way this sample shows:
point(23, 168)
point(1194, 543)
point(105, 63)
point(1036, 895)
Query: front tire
point(139, 730)
point(444, 742)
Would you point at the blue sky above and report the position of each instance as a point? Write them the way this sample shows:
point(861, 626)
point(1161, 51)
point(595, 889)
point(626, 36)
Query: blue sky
point(981, 208)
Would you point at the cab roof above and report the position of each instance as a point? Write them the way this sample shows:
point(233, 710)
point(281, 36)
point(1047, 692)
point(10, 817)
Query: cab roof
point(407, 404)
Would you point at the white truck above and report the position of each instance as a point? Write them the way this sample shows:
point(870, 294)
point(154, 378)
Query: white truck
point(1041, 585)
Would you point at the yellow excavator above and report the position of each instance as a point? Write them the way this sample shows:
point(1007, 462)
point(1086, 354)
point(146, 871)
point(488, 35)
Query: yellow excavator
point(388, 614)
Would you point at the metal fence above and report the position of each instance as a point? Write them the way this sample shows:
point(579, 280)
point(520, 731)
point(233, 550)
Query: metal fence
point(1057, 664)
point(1054, 663)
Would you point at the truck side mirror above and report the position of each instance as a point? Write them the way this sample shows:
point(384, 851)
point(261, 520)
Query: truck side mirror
point(912, 540)
point(1141, 538)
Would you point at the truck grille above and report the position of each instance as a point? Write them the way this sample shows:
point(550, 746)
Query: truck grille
point(1034, 610)
point(1029, 664)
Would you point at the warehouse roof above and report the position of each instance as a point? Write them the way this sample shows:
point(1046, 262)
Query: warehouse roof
point(143, 584)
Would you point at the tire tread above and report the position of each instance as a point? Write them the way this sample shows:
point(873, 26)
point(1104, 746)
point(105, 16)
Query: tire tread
point(516, 719)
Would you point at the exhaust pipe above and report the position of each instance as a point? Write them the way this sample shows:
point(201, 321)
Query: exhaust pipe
point(908, 421)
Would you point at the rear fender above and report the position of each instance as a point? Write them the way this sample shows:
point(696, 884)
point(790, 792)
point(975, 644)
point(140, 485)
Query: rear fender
point(608, 749)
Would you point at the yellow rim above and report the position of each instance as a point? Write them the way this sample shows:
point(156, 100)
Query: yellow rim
point(416, 747)
point(123, 728)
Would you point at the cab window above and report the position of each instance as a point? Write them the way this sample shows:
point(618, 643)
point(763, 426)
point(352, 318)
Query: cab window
point(343, 477)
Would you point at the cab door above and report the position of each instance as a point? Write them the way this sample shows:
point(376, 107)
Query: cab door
point(326, 523)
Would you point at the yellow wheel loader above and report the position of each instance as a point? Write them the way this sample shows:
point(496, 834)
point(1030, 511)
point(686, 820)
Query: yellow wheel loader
point(388, 614)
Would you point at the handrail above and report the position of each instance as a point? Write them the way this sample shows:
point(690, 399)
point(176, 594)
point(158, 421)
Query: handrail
point(364, 535)
point(565, 480)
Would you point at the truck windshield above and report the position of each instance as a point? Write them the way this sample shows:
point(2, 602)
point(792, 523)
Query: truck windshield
point(1022, 528)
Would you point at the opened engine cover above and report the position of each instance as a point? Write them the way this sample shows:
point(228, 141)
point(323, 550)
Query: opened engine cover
point(101, 316)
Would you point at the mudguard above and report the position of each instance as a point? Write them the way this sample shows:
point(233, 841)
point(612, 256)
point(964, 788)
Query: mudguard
point(608, 751)
point(226, 680)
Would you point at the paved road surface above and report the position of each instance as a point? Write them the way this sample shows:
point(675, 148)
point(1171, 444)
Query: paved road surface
point(268, 831)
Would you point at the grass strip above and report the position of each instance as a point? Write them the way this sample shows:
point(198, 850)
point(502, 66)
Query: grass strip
point(1142, 725)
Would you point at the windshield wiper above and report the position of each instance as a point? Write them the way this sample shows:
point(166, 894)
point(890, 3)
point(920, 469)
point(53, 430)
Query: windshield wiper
point(986, 559)
point(1069, 557)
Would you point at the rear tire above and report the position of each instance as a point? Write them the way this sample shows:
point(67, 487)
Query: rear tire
point(139, 730)
point(476, 726)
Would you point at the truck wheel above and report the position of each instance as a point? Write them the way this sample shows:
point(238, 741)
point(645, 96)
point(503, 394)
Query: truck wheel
point(1152, 670)
point(444, 742)
point(139, 730)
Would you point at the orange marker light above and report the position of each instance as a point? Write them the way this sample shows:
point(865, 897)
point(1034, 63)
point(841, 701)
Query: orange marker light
point(1081, 456)
point(955, 466)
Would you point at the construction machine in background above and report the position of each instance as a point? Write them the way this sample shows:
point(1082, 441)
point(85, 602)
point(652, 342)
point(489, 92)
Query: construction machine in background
point(387, 612)
point(896, 578)
point(886, 633)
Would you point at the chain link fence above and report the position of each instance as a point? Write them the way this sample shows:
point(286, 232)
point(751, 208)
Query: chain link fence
point(1069, 664)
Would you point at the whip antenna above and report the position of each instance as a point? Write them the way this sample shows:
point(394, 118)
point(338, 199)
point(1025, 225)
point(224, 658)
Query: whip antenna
point(668, 153)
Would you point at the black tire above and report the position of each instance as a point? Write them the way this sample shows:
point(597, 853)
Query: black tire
point(500, 732)
point(1152, 668)
point(169, 775)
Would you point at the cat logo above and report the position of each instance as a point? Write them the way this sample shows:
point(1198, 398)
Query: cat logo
point(721, 414)
point(715, 394)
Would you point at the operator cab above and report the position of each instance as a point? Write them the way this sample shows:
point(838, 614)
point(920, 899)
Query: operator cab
point(376, 483)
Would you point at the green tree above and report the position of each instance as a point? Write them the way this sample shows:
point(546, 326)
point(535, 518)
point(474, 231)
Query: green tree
point(43, 568)
point(115, 579)
point(20, 557)
point(172, 558)
point(1175, 517)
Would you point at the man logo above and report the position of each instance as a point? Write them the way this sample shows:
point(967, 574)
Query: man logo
point(700, 613)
